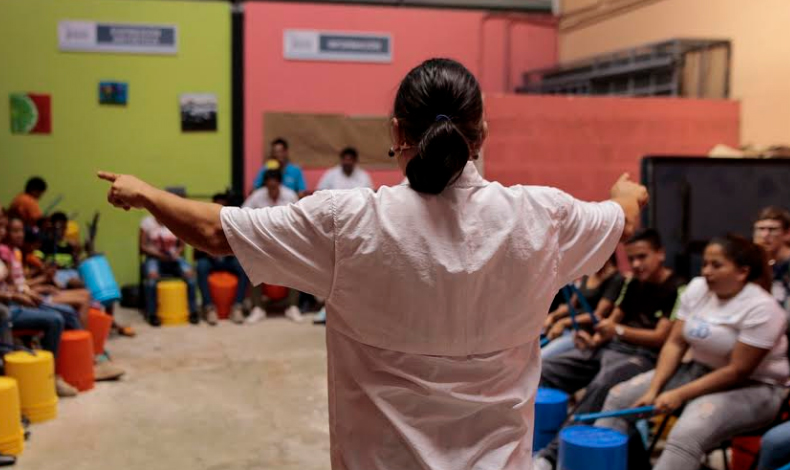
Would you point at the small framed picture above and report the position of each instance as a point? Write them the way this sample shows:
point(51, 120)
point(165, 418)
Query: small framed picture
point(198, 112)
point(115, 93)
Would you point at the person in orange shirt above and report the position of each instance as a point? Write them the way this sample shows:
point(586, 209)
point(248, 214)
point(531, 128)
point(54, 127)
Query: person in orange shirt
point(25, 206)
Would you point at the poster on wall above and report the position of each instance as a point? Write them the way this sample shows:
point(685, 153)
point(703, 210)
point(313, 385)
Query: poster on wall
point(113, 93)
point(198, 112)
point(300, 44)
point(138, 38)
point(31, 113)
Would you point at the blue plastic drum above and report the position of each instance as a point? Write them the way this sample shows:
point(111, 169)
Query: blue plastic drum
point(591, 448)
point(551, 409)
point(99, 279)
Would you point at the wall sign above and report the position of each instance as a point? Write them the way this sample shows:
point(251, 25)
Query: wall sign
point(92, 36)
point(337, 46)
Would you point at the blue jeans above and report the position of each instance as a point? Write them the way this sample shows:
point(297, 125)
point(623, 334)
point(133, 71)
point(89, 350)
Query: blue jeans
point(775, 450)
point(71, 319)
point(154, 269)
point(5, 325)
point(49, 321)
point(206, 266)
point(558, 345)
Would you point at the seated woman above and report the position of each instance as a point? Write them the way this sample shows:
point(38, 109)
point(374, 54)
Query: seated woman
point(24, 314)
point(601, 291)
point(36, 307)
point(78, 300)
point(734, 382)
point(164, 254)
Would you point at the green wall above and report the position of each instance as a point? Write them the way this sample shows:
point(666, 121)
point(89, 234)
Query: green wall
point(143, 138)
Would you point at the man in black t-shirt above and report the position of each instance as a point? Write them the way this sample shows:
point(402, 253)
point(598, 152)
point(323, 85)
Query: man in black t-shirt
point(624, 344)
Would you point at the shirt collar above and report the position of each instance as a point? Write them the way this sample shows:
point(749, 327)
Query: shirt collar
point(469, 177)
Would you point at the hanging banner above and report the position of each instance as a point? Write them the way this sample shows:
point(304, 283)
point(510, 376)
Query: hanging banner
point(92, 36)
point(338, 47)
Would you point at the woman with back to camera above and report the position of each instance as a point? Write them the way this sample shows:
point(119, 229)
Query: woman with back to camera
point(436, 290)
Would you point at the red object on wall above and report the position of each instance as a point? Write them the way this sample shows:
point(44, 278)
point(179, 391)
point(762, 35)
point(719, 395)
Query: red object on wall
point(44, 106)
point(583, 144)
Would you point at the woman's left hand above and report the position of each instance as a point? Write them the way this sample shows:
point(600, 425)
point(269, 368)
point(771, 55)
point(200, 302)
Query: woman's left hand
point(668, 402)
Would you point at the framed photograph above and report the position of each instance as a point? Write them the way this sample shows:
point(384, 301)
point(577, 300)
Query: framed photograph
point(116, 93)
point(198, 112)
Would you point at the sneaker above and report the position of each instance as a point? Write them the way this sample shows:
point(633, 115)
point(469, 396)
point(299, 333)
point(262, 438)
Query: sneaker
point(107, 371)
point(194, 318)
point(237, 314)
point(292, 313)
point(542, 463)
point(63, 389)
point(320, 317)
point(256, 315)
point(211, 315)
point(155, 321)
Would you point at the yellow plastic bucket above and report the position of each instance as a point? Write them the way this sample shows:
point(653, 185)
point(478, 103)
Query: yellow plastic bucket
point(171, 300)
point(35, 376)
point(12, 436)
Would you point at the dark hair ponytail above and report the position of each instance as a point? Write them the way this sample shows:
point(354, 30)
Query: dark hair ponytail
point(746, 254)
point(439, 109)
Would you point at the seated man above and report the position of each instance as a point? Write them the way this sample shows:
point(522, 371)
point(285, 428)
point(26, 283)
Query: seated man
point(25, 205)
point(55, 250)
point(626, 343)
point(272, 194)
point(772, 233)
point(347, 175)
point(601, 290)
point(292, 176)
point(206, 264)
point(164, 254)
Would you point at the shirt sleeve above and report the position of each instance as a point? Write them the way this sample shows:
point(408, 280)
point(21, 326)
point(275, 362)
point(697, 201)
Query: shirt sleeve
point(614, 285)
point(763, 326)
point(690, 297)
point(323, 183)
point(368, 182)
point(588, 235)
point(250, 201)
point(300, 184)
point(289, 245)
point(259, 178)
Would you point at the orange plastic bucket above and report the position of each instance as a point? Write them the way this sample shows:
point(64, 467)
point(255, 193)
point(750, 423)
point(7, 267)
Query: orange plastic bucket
point(75, 359)
point(99, 324)
point(275, 292)
point(222, 286)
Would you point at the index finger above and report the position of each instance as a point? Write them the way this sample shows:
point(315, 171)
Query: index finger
point(624, 177)
point(107, 176)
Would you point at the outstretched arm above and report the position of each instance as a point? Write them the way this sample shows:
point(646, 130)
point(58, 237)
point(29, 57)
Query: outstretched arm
point(197, 223)
point(632, 197)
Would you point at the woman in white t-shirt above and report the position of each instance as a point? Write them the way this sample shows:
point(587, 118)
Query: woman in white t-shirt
point(735, 380)
point(436, 291)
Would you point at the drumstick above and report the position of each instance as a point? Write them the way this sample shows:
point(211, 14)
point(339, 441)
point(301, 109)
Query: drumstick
point(614, 413)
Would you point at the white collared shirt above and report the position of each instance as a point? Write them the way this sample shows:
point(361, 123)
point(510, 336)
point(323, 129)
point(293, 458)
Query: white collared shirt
point(335, 178)
point(260, 198)
point(435, 305)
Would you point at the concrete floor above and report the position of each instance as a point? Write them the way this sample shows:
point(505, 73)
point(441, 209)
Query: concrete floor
point(203, 398)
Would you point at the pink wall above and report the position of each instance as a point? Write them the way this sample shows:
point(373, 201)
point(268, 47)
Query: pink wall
point(582, 145)
point(472, 37)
